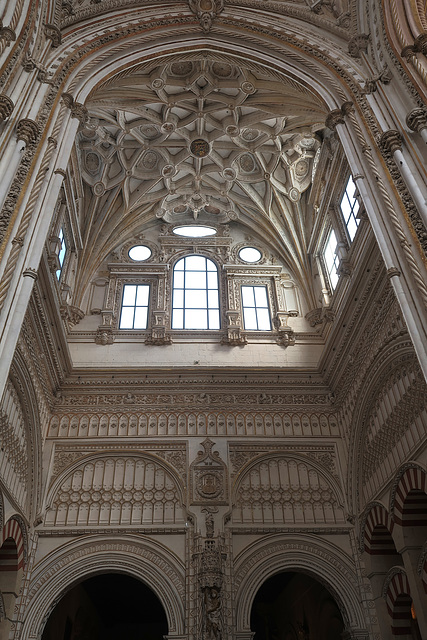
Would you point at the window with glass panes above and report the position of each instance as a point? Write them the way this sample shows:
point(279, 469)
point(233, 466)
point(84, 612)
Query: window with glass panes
point(331, 258)
point(256, 311)
point(195, 295)
point(349, 207)
point(134, 313)
point(61, 254)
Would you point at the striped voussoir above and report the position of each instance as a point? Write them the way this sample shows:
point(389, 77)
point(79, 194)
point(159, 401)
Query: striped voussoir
point(378, 530)
point(399, 604)
point(410, 506)
point(11, 546)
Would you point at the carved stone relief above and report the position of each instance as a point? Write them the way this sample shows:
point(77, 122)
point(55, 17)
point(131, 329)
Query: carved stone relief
point(208, 477)
point(14, 461)
point(116, 490)
point(286, 490)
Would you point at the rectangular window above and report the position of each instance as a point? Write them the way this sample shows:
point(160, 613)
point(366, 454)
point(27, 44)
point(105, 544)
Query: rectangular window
point(61, 254)
point(134, 314)
point(349, 208)
point(256, 312)
point(331, 259)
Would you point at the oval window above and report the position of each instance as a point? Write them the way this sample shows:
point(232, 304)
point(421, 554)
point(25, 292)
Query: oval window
point(139, 252)
point(250, 254)
point(196, 231)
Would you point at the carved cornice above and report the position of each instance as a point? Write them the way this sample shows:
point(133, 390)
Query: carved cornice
point(27, 130)
point(6, 107)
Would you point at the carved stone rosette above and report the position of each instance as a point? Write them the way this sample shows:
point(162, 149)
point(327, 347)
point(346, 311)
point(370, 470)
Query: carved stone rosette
point(6, 107)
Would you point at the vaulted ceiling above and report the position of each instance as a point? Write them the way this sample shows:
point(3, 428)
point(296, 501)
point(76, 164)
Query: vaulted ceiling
point(203, 138)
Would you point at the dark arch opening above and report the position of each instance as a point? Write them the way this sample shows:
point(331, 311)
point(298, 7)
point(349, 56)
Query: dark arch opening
point(294, 606)
point(111, 606)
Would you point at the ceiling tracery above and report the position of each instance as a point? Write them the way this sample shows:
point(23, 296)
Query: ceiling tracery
point(201, 139)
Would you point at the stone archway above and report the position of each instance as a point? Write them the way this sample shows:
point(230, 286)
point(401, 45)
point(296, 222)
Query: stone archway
point(306, 554)
point(145, 560)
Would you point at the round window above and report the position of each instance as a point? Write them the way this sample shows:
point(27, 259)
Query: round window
point(198, 231)
point(139, 252)
point(250, 254)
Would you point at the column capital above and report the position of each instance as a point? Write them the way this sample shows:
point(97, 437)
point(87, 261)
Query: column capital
point(6, 107)
point(416, 120)
point(390, 141)
point(27, 130)
point(336, 116)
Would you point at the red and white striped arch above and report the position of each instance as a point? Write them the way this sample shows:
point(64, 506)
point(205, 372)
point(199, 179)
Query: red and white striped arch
point(377, 530)
point(410, 498)
point(399, 601)
point(11, 546)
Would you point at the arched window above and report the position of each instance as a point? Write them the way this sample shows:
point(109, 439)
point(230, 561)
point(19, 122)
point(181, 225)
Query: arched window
point(195, 296)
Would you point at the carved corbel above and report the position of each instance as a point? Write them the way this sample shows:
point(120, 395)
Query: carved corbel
point(371, 84)
point(77, 109)
point(234, 337)
point(71, 314)
point(27, 130)
point(53, 34)
point(104, 336)
point(320, 316)
point(336, 116)
point(286, 337)
point(416, 120)
point(206, 11)
point(358, 44)
point(345, 269)
point(6, 107)
point(159, 337)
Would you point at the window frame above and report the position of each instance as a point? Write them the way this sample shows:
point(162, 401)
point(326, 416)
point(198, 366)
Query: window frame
point(352, 202)
point(208, 308)
point(63, 246)
point(135, 306)
point(335, 261)
point(256, 307)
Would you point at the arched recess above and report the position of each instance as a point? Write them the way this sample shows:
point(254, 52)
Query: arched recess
point(398, 599)
point(144, 559)
point(392, 401)
point(13, 554)
point(406, 25)
point(316, 495)
point(375, 522)
point(22, 379)
point(407, 503)
point(305, 553)
point(115, 485)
